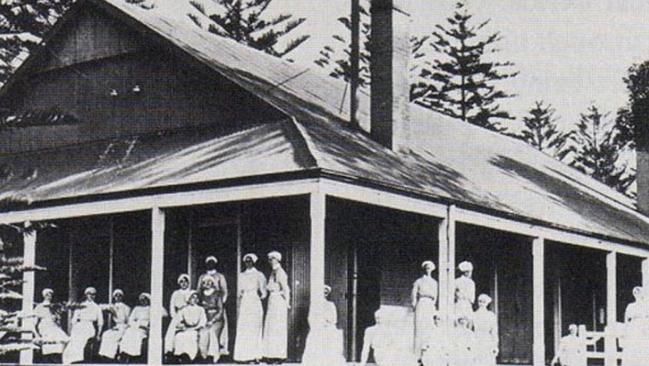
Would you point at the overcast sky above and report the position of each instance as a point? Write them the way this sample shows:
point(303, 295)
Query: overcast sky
point(569, 52)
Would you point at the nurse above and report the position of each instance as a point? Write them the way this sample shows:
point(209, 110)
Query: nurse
point(252, 289)
point(276, 325)
point(87, 323)
point(48, 330)
point(324, 344)
point(178, 301)
point(138, 329)
point(208, 336)
point(119, 312)
point(465, 291)
point(221, 287)
point(424, 300)
point(485, 326)
point(380, 339)
point(463, 342)
point(572, 349)
point(636, 334)
point(190, 320)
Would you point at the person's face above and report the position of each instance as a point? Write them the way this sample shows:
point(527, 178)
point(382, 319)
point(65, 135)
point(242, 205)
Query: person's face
point(274, 263)
point(572, 330)
point(193, 300)
point(468, 274)
point(483, 303)
point(48, 296)
point(211, 265)
point(118, 297)
point(248, 263)
point(90, 296)
point(184, 284)
point(428, 269)
point(208, 283)
point(637, 294)
point(144, 301)
point(326, 293)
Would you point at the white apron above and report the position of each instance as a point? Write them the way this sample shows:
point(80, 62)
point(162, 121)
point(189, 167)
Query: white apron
point(83, 330)
point(425, 291)
point(486, 337)
point(464, 296)
point(137, 331)
point(247, 345)
point(52, 336)
point(276, 323)
point(177, 302)
point(324, 344)
point(110, 339)
point(186, 341)
point(636, 336)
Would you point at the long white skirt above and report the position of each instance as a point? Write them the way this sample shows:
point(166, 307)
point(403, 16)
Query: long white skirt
point(247, 345)
point(79, 336)
point(424, 322)
point(131, 343)
point(53, 337)
point(483, 350)
point(209, 340)
point(186, 342)
point(110, 341)
point(170, 335)
point(324, 346)
point(276, 327)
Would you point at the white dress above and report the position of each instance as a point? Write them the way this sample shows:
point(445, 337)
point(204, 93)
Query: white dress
point(137, 331)
point(178, 301)
point(383, 345)
point(53, 337)
point(221, 286)
point(463, 347)
point(324, 344)
point(424, 290)
point(636, 335)
point(276, 323)
point(247, 345)
point(572, 351)
point(111, 337)
point(191, 317)
point(83, 329)
point(435, 349)
point(485, 326)
point(464, 296)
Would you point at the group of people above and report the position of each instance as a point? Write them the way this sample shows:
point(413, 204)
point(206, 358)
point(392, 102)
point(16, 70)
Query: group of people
point(471, 339)
point(199, 322)
point(122, 341)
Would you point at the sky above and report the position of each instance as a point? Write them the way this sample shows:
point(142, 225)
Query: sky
point(570, 53)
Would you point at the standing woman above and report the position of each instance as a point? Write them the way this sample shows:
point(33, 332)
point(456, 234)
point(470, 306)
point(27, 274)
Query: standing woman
point(485, 326)
point(189, 321)
point(120, 313)
point(636, 335)
point(138, 329)
point(252, 289)
point(87, 323)
point(178, 301)
point(48, 330)
point(276, 324)
point(208, 336)
point(424, 300)
point(324, 344)
point(465, 291)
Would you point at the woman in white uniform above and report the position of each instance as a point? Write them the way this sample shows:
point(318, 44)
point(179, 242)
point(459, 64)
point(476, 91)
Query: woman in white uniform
point(324, 344)
point(464, 291)
point(572, 349)
point(424, 301)
point(208, 336)
point(485, 327)
point(221, 286)
point(178, 301)
point(87, 323)
point(190, 320)
point(138, 329)
point(463, 339)
point(48, 330)
point(381, 340)
point(252, 289)
point(636, 331)
point(119, 313)
point(276, 323)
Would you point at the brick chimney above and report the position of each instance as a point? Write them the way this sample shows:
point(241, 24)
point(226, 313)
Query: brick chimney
point(642, 167)
point(390, 87)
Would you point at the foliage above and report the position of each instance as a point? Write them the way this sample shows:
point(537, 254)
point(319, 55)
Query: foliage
point(244, 22)
point(596, 151)
point(541, 131)
point(461, 77)
point(22, 24)
point(632, 118)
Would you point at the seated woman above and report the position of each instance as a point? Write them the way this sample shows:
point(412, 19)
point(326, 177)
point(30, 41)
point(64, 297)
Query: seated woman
point(48, 331)
point(208, 337)
point(119, 312)
point(178, 301)
point(87, 323)
point(324, 344)
point(138, 329)
point(189, 321)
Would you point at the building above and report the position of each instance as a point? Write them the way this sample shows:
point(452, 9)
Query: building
point(186, 145)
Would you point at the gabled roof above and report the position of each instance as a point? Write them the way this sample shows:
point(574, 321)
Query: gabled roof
point(449, 160)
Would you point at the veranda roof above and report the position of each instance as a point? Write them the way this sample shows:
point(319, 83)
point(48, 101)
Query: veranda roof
point(449, 160)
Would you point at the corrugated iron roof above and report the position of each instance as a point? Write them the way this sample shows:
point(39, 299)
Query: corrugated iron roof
point(449, 160)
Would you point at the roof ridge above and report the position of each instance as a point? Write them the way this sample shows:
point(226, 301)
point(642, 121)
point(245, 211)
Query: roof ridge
point(301, 142)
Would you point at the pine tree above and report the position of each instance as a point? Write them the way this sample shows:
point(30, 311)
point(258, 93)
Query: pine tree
point(597, 153)
point(635, 115)
point(244, 22)
point(462, 78)
point(22, 24)
point(336, 58)
point(541, 131)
